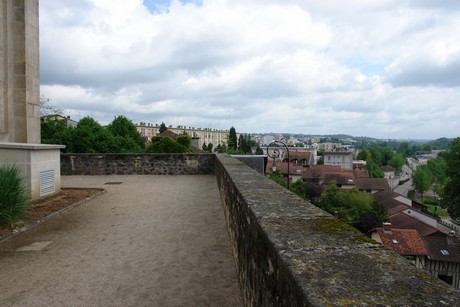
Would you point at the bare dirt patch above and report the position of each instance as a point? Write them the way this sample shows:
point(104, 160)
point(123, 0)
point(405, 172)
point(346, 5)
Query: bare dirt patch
point(46, 206)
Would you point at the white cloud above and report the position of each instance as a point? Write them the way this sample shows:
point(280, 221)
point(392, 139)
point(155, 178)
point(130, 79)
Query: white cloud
point(379, 68)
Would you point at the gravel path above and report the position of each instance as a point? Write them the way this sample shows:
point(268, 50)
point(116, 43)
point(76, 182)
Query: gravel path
point(149, 241)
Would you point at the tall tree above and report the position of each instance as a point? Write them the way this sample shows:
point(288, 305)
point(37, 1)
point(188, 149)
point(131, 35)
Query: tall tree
point(163, 127)
point(451, 196)
point(422, 180)
point(127, 134)
point(232, 139)
point(397, 161)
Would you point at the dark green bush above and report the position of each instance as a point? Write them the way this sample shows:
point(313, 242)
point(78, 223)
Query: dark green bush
point(166, 145)
point(184, 140)
point(14, 201)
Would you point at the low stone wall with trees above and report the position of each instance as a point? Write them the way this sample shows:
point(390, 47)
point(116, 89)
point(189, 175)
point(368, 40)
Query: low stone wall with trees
point(290, 253)
point(137, 164)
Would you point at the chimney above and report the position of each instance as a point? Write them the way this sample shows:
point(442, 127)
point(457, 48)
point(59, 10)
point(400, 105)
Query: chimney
point(387, 228)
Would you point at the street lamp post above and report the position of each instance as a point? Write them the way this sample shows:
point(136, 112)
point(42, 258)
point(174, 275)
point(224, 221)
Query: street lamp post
point(276, 154)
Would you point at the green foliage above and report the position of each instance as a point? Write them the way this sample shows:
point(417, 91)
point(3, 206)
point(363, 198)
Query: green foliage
point(184, 140)
point(55, 132)
point(422, 179)
point(155, 139)
point(354, 207)
point(451, 195)
point(373, 169)
point(298, 188)
point(320, 161)
point(259, 150)
point(307, 190)
point(120, 136)
point(130, 140)
point(277, 177)
point(397, 161)
point(232, 139)
point(90, 137)
point(163, 127)
point(363, 155)
point(14, 201)
point(167, 145)
point(440, 144)
point(244, 144)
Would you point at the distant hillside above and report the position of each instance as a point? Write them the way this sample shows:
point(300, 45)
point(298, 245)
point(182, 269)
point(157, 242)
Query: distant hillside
point(440, 144)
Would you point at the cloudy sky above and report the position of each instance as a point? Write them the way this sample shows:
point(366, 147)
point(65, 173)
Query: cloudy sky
point(379, 68)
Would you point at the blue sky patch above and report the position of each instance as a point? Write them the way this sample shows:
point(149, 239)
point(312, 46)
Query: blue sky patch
point(157, 6)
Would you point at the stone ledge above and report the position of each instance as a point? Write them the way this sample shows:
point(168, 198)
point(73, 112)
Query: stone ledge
point(291, 253)
point(29, 146)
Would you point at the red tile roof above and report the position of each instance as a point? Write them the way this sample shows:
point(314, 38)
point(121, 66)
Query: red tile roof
point(403, 241)
point(169, 133)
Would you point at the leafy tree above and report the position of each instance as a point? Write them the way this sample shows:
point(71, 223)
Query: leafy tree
point(90, 137)
point(128, 138)
point(55, 132)
point(363, 155)
point(210, 146)
point(184, 140)
point(354, 207)
point(422, 179)
point(373, 169)
point(244, 144)
point(451, 195)
point(320, 161)
point(397, 161)
point(278, 178)
point(298, 188)
point(259, 150)
point(163, 127)
point(437, 167)
point(166, 145)
point(232, 139)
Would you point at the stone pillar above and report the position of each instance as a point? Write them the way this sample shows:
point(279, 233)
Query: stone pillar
point(19, 72)
point(20, 100)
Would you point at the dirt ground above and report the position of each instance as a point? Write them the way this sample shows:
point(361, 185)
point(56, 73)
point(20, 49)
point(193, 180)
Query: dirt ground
point(147, 241)
point(41, 208)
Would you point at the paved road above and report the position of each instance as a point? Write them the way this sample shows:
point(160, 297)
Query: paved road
point(150, 241)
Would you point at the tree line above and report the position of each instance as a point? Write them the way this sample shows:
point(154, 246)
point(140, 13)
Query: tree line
point(120, 136)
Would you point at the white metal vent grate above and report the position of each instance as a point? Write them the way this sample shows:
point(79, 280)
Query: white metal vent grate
point(47, 182)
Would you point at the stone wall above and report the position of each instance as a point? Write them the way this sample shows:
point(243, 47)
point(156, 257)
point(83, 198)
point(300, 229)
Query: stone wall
point(290, 253)
point(137, 164)
point(256, 162)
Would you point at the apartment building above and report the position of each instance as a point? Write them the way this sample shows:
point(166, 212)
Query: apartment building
point(205, 135)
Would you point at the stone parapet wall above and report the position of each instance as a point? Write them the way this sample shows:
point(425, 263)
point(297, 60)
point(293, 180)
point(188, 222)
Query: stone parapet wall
point(290, 253)
point(137, 164)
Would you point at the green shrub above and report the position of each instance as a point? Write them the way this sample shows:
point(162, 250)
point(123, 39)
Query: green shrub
point(14, 201)
point(184, 140)
point(166, 145)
